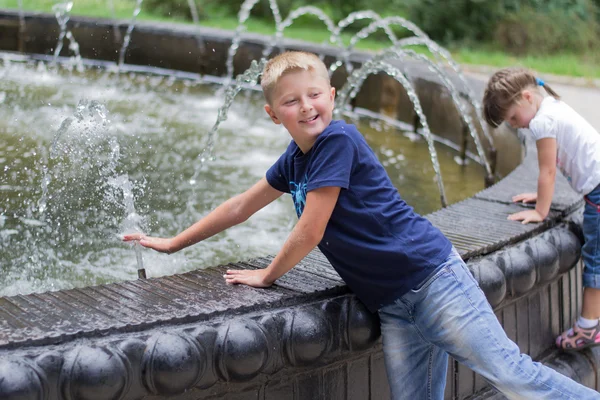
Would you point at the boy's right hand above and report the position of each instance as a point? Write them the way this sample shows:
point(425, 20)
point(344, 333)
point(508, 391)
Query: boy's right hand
point(525, 198)
point(159, 244)
point(256, 278)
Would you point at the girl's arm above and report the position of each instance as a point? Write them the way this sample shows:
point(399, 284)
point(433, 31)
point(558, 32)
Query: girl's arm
point(307, 233)
point(232, 212)
point(547, 164)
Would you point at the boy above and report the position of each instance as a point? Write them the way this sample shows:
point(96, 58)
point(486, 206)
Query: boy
point(394, 260)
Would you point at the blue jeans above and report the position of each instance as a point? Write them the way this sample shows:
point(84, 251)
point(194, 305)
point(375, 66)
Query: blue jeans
point(449, 314)
point(591, 248)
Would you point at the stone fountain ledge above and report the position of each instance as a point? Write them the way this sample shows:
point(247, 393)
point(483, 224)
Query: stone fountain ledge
point(508, 259)
point(192, 336)
point(131, 339)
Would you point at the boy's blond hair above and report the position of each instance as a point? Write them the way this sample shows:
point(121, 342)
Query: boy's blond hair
point(505, 88)
point(290, 61)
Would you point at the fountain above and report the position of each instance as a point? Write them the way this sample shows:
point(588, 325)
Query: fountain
point(153, 151)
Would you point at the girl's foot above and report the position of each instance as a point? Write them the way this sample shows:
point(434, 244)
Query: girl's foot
point(577, 338)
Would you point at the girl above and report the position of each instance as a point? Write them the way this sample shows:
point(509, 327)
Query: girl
point(563, 139)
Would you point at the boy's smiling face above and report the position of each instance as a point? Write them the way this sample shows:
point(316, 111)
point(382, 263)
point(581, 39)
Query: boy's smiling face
point(303, 102)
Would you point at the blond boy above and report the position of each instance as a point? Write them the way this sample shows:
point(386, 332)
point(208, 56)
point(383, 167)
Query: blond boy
point(395, 261)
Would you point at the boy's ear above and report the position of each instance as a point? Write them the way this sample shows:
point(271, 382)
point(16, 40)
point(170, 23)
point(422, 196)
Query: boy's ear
point(271, 114)
point(332, 97)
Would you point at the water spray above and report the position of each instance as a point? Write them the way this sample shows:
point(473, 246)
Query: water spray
point(140, 261)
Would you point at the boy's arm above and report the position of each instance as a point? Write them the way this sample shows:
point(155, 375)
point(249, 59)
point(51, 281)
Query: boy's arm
point(232, 212)
point(546, 148)
point(307, 233)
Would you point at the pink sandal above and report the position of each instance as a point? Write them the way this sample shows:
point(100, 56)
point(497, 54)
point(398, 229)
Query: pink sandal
point(577, 338)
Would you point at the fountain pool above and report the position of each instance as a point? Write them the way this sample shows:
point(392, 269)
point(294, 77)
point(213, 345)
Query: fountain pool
point(63, 201)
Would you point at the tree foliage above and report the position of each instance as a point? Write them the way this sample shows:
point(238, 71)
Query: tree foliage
point(518, 26)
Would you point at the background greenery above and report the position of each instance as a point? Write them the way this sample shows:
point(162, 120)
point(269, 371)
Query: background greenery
point(551, 36)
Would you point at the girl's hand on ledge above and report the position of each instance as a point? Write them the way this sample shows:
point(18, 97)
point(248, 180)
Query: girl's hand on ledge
point(525, 198)
point(158, 244)
point(255, 278)
point(526, 216)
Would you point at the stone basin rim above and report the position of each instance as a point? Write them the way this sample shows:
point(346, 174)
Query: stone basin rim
point(488, 200)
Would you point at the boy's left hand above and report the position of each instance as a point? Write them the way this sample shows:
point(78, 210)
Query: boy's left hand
point(255, 278)
point(526, 216)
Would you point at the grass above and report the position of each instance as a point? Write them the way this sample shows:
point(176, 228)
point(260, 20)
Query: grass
point(575, 65)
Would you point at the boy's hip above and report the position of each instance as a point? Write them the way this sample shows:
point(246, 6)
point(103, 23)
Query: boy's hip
point(450, 260)
point(451, 274)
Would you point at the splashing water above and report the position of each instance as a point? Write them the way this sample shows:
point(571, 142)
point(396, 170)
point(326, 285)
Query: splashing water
point(62, 11)
point(297, 13)
point(250, 77)
point(21, 45)
point(343, 58)
point(86, 155)
point(116, 31)
point(353, 85)
point(156, 128)
point(243, 16)
point(90, 116)
point(394, 53)
point(136, 11)
point(194, 11)
point(420, 38)
point(133, 222)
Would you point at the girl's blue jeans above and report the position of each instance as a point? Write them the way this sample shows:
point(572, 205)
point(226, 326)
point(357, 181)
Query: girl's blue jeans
point(591, 247)
point(449, 314)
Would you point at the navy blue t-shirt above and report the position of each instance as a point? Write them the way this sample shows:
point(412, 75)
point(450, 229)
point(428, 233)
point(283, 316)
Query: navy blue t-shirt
point(376, 242)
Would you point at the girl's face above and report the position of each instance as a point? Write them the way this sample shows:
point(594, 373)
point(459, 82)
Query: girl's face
point(520, 114)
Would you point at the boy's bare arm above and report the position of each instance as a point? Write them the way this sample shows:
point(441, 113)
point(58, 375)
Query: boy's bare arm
point(307, 233)
point(232, 212)
point(547, 164)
